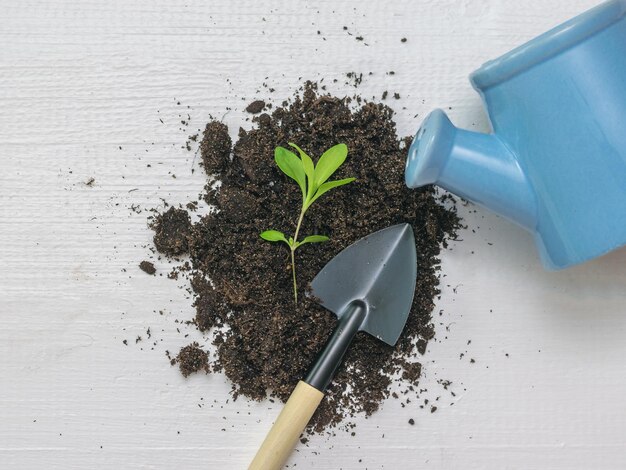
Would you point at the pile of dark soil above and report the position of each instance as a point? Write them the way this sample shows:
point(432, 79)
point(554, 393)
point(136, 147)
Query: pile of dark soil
point(242, 284)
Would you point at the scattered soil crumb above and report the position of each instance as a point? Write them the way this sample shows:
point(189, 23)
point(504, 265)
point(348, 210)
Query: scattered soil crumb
point(147, 267)
point(411, 371)
point(354, 79)
point(256, 107)
point(192, 359)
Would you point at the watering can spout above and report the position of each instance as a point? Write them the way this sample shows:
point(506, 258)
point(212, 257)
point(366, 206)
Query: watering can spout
point(478, 167)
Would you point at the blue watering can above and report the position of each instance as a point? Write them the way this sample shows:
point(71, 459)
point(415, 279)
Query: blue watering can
point(556, 161)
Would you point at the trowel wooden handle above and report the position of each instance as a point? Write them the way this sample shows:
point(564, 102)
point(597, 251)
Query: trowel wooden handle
point(291, 421)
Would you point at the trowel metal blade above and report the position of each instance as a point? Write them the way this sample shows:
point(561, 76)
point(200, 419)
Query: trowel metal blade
point(380, 270)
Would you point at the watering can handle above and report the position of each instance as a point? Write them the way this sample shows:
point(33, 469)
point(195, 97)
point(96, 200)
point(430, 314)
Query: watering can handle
point(285, 432)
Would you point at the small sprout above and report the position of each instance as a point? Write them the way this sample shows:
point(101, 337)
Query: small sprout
point(313, 182)
point(274, 236)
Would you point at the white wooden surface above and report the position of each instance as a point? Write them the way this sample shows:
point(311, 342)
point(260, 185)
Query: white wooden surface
point(79, 79)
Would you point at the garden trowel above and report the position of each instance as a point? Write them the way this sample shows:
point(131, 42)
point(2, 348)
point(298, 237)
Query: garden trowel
point(370, 287)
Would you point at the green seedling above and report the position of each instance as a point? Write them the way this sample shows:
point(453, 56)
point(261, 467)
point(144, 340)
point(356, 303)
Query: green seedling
point(313, 182)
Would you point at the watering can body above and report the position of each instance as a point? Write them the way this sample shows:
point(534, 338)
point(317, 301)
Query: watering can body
point(556, 160)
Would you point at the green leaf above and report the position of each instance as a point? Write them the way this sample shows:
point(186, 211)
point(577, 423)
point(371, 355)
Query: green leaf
point(309, 167)
point(273, 236)
point(329, 162)
point(313, 239)
point(292, 166)
point(330, 185)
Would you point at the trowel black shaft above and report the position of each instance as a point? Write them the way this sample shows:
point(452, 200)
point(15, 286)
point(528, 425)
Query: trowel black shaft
point(323, 370)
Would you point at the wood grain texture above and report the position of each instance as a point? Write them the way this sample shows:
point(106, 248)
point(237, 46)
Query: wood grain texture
point(79, 80)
